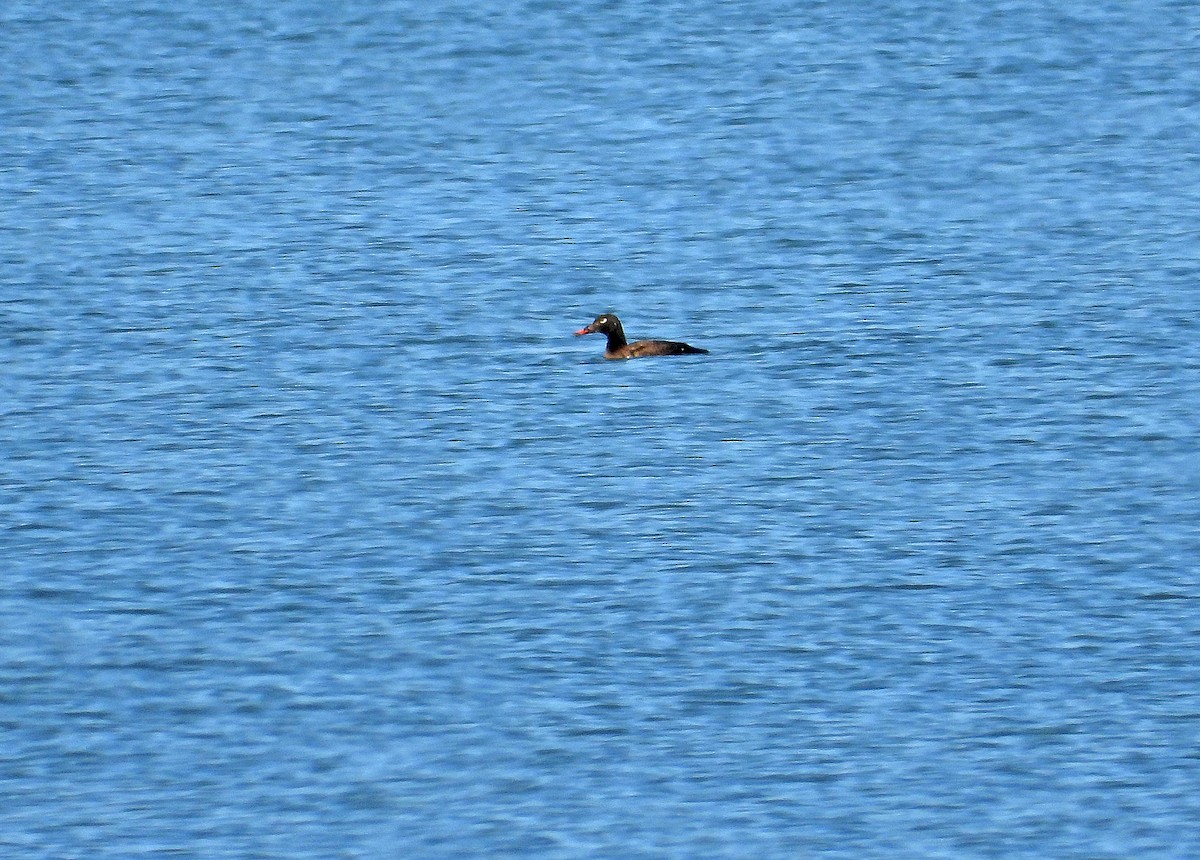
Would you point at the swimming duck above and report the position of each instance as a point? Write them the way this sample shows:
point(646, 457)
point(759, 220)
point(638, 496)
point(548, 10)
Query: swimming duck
point(619, 347)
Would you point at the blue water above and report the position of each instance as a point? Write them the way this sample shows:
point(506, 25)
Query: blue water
point(322, 537)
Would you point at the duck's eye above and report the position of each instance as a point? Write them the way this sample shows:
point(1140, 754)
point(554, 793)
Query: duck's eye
point(603, 319)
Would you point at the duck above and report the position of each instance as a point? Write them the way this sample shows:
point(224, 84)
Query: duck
point(618, 347)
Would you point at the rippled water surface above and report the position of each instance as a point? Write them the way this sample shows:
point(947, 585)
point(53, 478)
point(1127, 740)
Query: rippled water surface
point(321, 536)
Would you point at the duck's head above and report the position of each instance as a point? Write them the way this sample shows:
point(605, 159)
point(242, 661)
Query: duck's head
point(604, 324)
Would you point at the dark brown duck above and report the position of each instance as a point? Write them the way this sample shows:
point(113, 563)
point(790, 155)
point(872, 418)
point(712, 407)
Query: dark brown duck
point(618, 347)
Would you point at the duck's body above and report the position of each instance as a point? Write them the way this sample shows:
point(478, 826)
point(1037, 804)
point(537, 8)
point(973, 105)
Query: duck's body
point(618, 347)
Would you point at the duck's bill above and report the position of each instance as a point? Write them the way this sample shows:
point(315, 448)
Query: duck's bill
point(584, 330)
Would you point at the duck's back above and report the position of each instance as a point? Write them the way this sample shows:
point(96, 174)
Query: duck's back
point(661, 347)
